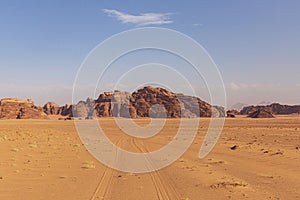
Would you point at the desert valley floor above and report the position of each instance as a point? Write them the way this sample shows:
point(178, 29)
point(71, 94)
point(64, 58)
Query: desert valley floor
point(253, 159)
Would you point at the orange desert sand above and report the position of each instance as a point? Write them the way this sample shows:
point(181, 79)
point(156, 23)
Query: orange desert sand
point(254, 159)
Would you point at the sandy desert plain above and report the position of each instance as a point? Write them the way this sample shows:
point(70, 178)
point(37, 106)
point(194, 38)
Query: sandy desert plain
point(253, 159)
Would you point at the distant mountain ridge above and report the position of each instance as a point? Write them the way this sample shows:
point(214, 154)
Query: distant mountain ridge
point(239, 106)
point(274, 108)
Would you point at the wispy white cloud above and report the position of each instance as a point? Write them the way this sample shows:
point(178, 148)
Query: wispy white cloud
point(239, 86)
point(234, 86)
point(197, 24)
point(140, 20)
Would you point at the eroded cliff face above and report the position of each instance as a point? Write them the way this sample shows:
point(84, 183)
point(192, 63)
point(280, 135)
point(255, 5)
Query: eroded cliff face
point(51, 108)
point(146, 98)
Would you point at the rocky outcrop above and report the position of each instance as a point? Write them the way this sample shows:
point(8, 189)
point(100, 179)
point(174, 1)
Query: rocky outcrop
point(235, 112)
point(66, 110)
point(81, 110)
point(11, 108)
point(260, 114)
point(218, 111)
point(146, 102)
point(232, 113)
point(51, 108)
point(143, 99)
point(122, 106)
point(103, 105)
point(193, 106)
point(274, 108)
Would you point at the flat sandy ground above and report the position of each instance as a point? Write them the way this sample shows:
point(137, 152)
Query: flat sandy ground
point(45, 159)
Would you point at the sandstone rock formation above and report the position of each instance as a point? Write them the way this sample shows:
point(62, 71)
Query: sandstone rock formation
point(11, 108)
point(235, 112)
point(103, 105)
point(81, 110)
point(153, 102)
point(51, 108)
point(145, 102)
point(232, 113)
point(143, 99)
point(121, 105)
point(261, 114)
point(66, 110)
point(218, 111)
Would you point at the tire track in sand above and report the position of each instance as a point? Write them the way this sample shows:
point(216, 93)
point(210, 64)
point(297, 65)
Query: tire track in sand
point(106, 181)
point(165, 189)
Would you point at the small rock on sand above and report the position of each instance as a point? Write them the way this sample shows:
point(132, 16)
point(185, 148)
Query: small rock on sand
point(15, 149)
point(234, 147)
point(33, 145)
point(88, 165)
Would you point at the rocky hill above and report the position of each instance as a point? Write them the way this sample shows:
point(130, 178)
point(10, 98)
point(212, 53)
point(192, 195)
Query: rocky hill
point(11, 108)
point(145, 102)
point(274, 108)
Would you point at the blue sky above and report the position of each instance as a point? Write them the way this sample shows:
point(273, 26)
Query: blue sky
point(255, 44)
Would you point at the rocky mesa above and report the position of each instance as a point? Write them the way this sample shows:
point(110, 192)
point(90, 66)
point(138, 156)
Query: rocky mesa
point(12, 108)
